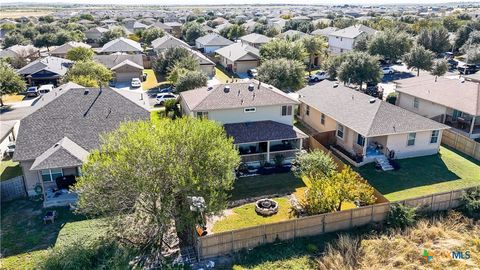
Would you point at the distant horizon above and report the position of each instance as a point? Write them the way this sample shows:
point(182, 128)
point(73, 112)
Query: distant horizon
point(237, 2)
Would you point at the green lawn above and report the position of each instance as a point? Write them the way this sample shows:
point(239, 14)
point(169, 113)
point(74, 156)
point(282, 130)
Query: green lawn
point(222, 75)
point(25, 238)
point(151, 79)
point(9, 169)
point(420, 176)
point(255, 186)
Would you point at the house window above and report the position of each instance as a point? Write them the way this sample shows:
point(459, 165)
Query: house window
point(322, 119)
point(340, 130)
point(434, 137)
point(249, 110)
point(286, 110)
point(307, 111)
point(51, 174)
point(416, 102)
point(411, 139)
point(360, 140)
point(202, 115)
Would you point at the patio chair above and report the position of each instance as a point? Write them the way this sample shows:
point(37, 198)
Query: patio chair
point(50, 216)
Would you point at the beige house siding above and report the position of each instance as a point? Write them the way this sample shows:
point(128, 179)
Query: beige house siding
point(422, 147)
point(265, 113)
point(314, 119)
point(425, 108)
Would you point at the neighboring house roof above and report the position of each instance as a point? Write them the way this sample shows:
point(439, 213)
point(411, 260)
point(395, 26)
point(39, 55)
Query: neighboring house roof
point(325, 31)
point(81, 114)
point(96, 30)
point(355, 110)
point(174, 24)
point(239, 96)
point(50, 63)
point(113, 60)
point(121, 45)
point(63, 49)
point(453, 93)
point(161, 26)
point(213, 39)
point(127, 63)
point(292, 34)
point(21, 51)
point(262, 131)
point(238, 50)
point(169, 41)
point(353, 31)
point(5, 128)
point(255, 38)
point(65, 153)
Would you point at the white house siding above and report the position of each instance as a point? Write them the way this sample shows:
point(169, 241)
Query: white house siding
point(337, 44)
point(273, 113)
point(208, 69)
point(244, 66)
point(422, 147)
point(425, 108)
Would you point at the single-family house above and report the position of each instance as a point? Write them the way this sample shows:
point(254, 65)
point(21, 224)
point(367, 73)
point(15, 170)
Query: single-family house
point(94, 35)
point(344, 40)
point(452, 101)
point(365, 129)
point(48, 70)
point(324, 32)
point(258, 116)
point(255, 40)
point(54, 141)
point(125, 67)
point(176, 28)
point(23, 52)
point(61, 51)
point(164, 27)
point(238, 57)
point(121, 45)
point(211, 42)
point(292, 34)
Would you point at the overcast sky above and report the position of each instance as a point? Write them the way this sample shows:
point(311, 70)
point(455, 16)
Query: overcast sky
point(219, 2)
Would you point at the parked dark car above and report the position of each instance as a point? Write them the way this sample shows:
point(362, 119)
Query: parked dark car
point(373, 90)
point(452, 63)
point(467, 69)
point(163, 89)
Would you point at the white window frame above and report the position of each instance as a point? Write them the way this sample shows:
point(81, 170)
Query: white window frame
point(288, 110)
point(322, 119)
point(307, 110)
point(250, 110)
point(202, 115)
point(50, 174)
point(409, 139)
point(363, 138)
point(416, 103)
point(342, 131)
point(435, 134)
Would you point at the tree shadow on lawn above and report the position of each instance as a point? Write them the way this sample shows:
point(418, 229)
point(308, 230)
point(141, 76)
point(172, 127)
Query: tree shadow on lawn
point(413, 172)
point(23, 229)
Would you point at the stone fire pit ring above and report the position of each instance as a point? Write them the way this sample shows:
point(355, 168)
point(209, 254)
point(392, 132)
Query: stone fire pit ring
point(266, 207)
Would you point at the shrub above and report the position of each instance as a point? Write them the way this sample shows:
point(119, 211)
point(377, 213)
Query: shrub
point(191, 80)
point(401, 216)
point(392, 98)
point(312, 248)
point(471, 199)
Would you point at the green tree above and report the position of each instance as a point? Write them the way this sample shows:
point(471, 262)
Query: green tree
point(63, 37)
point(141, 186)
point(361, 45)
point(285, 74)
point(80, 54)
point(473, 55)
point(14, 38)
point(419, 58)
point(191, 80)
point(390, 44)
point(315, 46)
point(452, 23)
point(193, 30)
point(150, 34)
point(358, 68)
point(259, 28)
point(112, 34)
point(283, 48)
point(7, 26)
point(10, 81)
point(434, 39)
point(439, 68)
point(88, 74)
point(463, 33)
point(182, 67)
point(167, 60)
point(472, 41)
point(333, 63)
point(45, 40)
point(314, 164)
point(271, 31)
point(233, 32)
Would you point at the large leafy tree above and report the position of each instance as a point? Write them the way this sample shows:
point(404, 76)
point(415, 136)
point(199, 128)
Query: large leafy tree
point(10, 81)
point(435, 39)
point(419, 58)
point(333, 63)
point(45, 40)
point(233, 32)
point(112, 34)
point(14, 38)
point(390, 44)
point(169, 58)
point(314, 164)
point(439, 68)
point(182, 67)
point(143, 187)
point(463, 33)
point(192, 31)
point(358, 68)
point(314, 46)
point(191, 80)
point(473, 55)
point(285, 74)
point(283, 48)
point(80, 54)
point(149, 35)
point(88, 74)
point(472, 41)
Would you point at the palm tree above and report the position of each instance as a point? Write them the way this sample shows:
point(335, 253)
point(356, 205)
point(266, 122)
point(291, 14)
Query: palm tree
point(315, 46)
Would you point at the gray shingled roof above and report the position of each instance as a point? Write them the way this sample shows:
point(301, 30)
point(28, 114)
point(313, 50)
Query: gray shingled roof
point(77, 114)
point(112, 60)
point(6, 127)
point(292, 34)
point(50, 63)
point(169, 41)
point(238, 50)
point(325, 31)
point(213, 39)
point(64, 153)
point(255, 38)
point(353, 31)
point(262, 131)
point(127, 63)
point(63, 49)
point(216, 98)
point(354, 110)
point(121, 45)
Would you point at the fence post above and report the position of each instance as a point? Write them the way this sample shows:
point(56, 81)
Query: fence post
point(323, 224)
point(295, 229)
point(450, 201)
point(351, 218)
point(371, 213)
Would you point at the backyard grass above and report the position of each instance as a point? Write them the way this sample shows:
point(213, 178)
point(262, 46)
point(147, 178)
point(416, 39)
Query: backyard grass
point(25, 238)
point(9, 169)
point(222, 75)
point(151, 79)
point(245, 216)
point(281, 183)
point(449, 170)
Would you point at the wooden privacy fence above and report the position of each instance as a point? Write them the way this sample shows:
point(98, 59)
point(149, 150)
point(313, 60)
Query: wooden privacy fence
point(12, 189)
point(232, 241)
point(461, 143)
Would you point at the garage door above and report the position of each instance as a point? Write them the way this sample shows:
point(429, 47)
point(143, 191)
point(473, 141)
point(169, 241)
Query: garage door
point(243, 67)
point(126, 76)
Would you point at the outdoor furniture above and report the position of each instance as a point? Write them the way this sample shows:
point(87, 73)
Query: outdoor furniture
point(50, 216)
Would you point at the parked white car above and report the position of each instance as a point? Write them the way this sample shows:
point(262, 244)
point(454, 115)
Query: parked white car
point(319, 76)
point(136, 83)
point(161, 98)
point(45, 88)
point(387, 70)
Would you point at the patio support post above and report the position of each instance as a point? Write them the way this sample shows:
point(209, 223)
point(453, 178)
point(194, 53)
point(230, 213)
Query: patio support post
point(472, 125)
point(268, 151)
point(365, 144)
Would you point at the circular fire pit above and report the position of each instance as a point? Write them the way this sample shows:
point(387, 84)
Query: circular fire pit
point(266, 207)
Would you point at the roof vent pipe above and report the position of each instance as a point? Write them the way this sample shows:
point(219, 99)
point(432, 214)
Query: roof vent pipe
point(372, 100)
point(251, 87)
point(226, 89)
